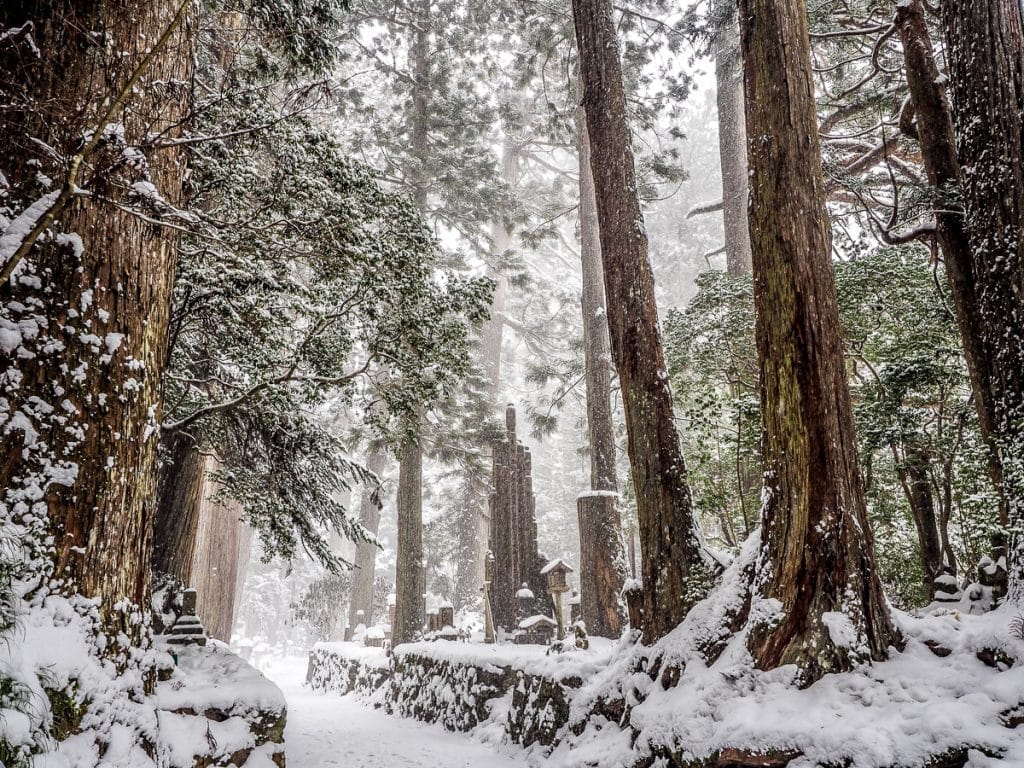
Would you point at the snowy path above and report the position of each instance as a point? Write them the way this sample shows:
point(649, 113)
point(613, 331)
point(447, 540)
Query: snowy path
point(328, 731)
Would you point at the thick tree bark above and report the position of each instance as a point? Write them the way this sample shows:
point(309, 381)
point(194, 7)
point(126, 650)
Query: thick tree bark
point(732, 141)
point(361, 594)
point(602, 563)
point(677, 569)
point(817, 576)
point(82, 410)
point(409, 581)
point(179, 499)
point(215, 567)
point(985, 54)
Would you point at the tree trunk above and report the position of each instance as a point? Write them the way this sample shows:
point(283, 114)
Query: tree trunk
point(934, 130)
point(179, 499)
point(732, 141)
point(917, 487)
point(81, 396)
point(596, 344)
point(602, 556)
point(816, 575)
point(361, 594)
point(474, 522)
point(602, 563)
point(985, 52)
point(215, 568)
point(409, 581)
point(677, 569)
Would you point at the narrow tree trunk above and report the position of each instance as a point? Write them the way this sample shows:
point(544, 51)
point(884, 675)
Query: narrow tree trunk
point(985, 53)
point(934, 130)
point(917, 487)
point(245, 541)
point(677, 570)
point(474, 522)
point(602, 559)
point(82, 399)
point(361, 594)
point(409, 582)
point(215, 567)
point(409, 577)
point(817, 563)
point(602, 563)
point(597, 353)
point(732, 141)
point(179, 498)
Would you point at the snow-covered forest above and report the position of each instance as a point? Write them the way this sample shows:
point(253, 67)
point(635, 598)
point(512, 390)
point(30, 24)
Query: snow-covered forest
point(512, 382)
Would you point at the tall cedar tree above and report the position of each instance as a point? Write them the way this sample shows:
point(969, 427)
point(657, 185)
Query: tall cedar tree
point(973, 153)
point(602, 555)
point(933, 128)
point(410, 583)
point(817, 557)
point(361, 594)
point(677, 569)
point(985, 51)
point(82, 391)
point(732, 139)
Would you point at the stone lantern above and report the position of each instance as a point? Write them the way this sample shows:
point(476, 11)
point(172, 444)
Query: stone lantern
point(557, 574)
point(575, 607)
point(524, 599)
point(187, 629)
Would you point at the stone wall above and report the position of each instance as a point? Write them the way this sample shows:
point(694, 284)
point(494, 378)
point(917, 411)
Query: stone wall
point(457, 693)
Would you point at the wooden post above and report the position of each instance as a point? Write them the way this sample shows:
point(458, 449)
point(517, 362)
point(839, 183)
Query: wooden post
point(602, 566)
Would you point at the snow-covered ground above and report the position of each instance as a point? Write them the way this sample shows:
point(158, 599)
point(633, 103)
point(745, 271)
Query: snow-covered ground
point(326, 730)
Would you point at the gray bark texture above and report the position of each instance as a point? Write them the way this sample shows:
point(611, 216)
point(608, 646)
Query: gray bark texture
point(409, 577)
point(732, 142)
point(361, 595)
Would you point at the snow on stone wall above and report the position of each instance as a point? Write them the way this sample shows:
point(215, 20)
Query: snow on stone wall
point(952, 697)
point(520, 689)
point(214, 709)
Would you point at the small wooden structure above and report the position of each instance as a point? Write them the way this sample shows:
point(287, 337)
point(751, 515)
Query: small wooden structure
point(536, 630)
point(513, 535)
point(557, 575)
